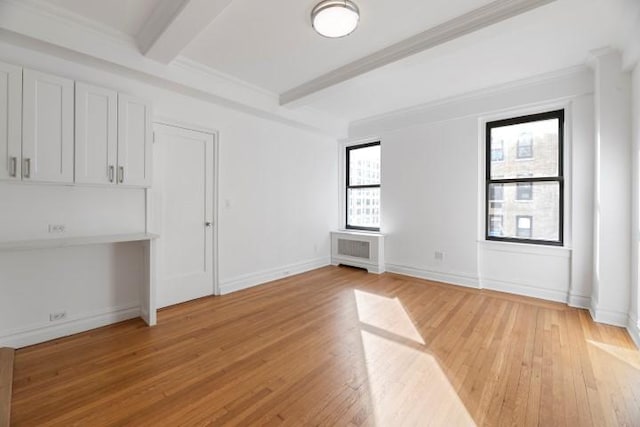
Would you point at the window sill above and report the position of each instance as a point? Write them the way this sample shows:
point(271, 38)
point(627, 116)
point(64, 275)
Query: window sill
point(359, 232)
point(526, 248)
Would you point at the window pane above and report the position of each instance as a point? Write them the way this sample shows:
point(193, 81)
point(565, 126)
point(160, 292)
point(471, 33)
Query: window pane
point(524, 191)
point(496, 223)
point(530, 149)
point(537, 218)
point(497, 150)
point(364, 166)
point(524, 224)
point(496, 192)
point(363, 207)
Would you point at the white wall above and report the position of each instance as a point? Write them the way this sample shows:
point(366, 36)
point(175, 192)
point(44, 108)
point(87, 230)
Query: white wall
point(277, 203)
point(612, 205)
point(634, 305)
point(28, 209)
point(433, 190)
point(94, 285)
point(429, 197)
point(582, 188)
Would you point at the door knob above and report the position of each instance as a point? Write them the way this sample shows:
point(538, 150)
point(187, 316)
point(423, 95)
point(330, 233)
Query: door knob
point(207, 224)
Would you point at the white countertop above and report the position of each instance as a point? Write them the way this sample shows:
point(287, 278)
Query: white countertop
point(60, 242)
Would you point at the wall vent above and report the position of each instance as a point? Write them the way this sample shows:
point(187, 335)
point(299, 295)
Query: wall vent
point(354, 248)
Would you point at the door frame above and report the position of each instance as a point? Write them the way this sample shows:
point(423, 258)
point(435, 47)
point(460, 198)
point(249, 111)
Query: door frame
point(215, 152)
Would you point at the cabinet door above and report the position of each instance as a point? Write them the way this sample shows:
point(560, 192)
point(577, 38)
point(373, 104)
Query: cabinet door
point(47, 128)
point(134, 141)
point(10, 121)
point(96, 134)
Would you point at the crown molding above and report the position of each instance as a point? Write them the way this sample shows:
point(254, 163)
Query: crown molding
point(574, 81)
point(596, 55)
point(54, 26)
point(65, 16)
point(470, 22)
point(165, 12)
point(193, 66)
point(50, 31)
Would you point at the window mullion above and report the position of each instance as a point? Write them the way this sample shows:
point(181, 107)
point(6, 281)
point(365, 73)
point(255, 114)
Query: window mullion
point(530, 179)
point(355, 187)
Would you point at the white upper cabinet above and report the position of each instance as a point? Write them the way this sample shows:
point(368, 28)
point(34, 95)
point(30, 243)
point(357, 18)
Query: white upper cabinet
point(134, 142)
point(55, 131)
point(96, 134)
point(10, 122)
point(47, 128)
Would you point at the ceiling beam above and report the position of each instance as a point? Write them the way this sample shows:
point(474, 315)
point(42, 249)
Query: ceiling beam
point(470, 22)
point(174, 24)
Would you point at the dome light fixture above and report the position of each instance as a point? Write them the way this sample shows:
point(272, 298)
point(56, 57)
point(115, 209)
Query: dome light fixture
point(335, 18)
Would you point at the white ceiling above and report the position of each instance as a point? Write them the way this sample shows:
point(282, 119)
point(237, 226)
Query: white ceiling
point(270, 44)
point(559, 35)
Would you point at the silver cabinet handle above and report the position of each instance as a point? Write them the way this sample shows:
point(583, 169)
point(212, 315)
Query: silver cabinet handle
point(121, 174)
point(13, 166)
point(27, 168)
point(111, 173)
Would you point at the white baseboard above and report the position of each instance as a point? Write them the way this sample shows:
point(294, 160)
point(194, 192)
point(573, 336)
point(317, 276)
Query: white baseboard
point(634, 330)
point(459, 279)
point(254, 279)
point(47, 331)
point(491, 284)
point(579, 301)
point(592, 308)
point(524, 290)
point(610, 317)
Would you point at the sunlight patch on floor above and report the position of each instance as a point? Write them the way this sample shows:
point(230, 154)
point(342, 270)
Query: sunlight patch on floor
point(407, 385)
point(387, 314)
point(628, 356)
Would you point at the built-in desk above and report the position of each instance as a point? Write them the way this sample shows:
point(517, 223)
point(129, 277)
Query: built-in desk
point(148, 291)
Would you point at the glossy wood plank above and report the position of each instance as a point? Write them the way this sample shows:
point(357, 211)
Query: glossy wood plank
point(6, 381)
point(337, 346)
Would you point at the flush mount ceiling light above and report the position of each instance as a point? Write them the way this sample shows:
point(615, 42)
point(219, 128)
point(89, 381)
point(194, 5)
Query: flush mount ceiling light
point(335, 18)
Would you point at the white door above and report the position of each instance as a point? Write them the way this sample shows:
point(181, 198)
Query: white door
point(96, 134)
point(134, 141)
point(183, 191)
point(47, 128)
point(10, 121)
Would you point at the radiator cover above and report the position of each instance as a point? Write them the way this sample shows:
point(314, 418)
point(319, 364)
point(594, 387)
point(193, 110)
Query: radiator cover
point(358, 249)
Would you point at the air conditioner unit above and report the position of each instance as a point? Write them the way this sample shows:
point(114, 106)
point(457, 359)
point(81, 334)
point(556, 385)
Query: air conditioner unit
point(358, 249)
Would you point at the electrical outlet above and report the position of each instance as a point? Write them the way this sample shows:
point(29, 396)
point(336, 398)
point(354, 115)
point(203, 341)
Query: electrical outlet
point(57, 228)
point(54, 317)
point(439, 256)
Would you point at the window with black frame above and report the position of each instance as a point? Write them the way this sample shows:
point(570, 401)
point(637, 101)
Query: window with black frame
point(363, 187)
point(525, 183)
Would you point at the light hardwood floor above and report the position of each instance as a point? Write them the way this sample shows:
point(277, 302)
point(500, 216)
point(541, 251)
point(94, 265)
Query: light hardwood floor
point(337, 346)
point(6, 381)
